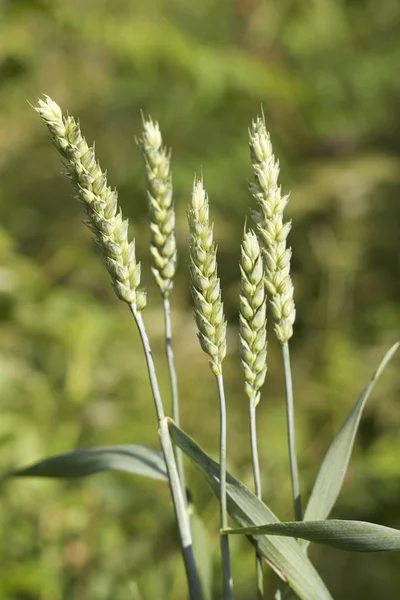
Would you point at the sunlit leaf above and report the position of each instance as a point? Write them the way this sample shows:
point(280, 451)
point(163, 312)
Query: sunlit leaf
point(356, 536)
point(287, 559)
point(138, 460)
point(334, 466)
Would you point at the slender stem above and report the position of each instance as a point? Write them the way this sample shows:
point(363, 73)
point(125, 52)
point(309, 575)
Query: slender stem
point(182, 518)
point(149, 362)
point(254, 451)
point(227, 586)
point(174, 387)
point(257, 489)
point(294, 472)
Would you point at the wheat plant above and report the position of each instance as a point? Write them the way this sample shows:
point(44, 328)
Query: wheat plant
point(273, 233)
point(211, 325)
point(164, 255)
point(264, 278)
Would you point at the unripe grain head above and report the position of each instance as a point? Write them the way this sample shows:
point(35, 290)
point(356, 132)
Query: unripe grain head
point(271, 229)
point(208, 308)
point(253, 317)
point(100, 202)
point(162, 216)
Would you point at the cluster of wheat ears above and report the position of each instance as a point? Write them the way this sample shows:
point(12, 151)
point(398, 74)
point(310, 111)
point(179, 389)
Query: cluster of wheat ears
point(265, 278)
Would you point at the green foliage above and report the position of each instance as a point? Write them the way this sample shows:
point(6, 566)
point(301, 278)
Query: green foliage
point(71, 369)
point(355, 536)
point(334, 466)
point(286, 558)
point(138, 460)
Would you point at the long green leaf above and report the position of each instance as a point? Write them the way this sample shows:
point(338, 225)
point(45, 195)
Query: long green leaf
point(138, 460)
point(356, 536)
point(330, 477)
point(288, 560)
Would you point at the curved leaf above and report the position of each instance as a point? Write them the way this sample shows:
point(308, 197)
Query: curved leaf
point(334, 466)
point(287, 559)
point(356, 536)
point(131, 458)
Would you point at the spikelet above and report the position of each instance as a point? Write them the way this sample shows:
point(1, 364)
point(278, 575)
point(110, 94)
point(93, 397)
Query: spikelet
point(208, 307)
point(253, 317)
point(100, 202)
point(271, 229)
point(161, 210)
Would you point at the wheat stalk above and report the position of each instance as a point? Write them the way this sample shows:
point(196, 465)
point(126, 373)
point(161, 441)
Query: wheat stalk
point(211, 325)
point(273, 233)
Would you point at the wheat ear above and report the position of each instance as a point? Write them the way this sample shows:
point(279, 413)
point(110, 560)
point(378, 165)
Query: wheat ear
point(253, 351)
point(208, 308)
point(161, 210)
point(253, 317)
point(272, 230)
point(100, 202)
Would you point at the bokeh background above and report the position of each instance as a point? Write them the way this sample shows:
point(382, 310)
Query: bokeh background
point(71, 370)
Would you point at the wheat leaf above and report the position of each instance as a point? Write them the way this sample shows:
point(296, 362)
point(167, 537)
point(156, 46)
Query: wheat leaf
point(334, 466)
point(355, 536)
point(138, 460)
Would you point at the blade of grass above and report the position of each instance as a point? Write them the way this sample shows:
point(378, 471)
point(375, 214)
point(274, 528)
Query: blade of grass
point(138, 460)
point(334, 466)
point(355, 536)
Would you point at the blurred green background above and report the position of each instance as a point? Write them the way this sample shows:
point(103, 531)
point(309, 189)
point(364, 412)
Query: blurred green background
point(71, 370)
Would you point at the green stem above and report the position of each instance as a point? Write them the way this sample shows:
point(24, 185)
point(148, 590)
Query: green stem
point(174, 386)
point(257, 490)
point(294, 472)
point(227, 586)
point(254, 451)
point(182, 518)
